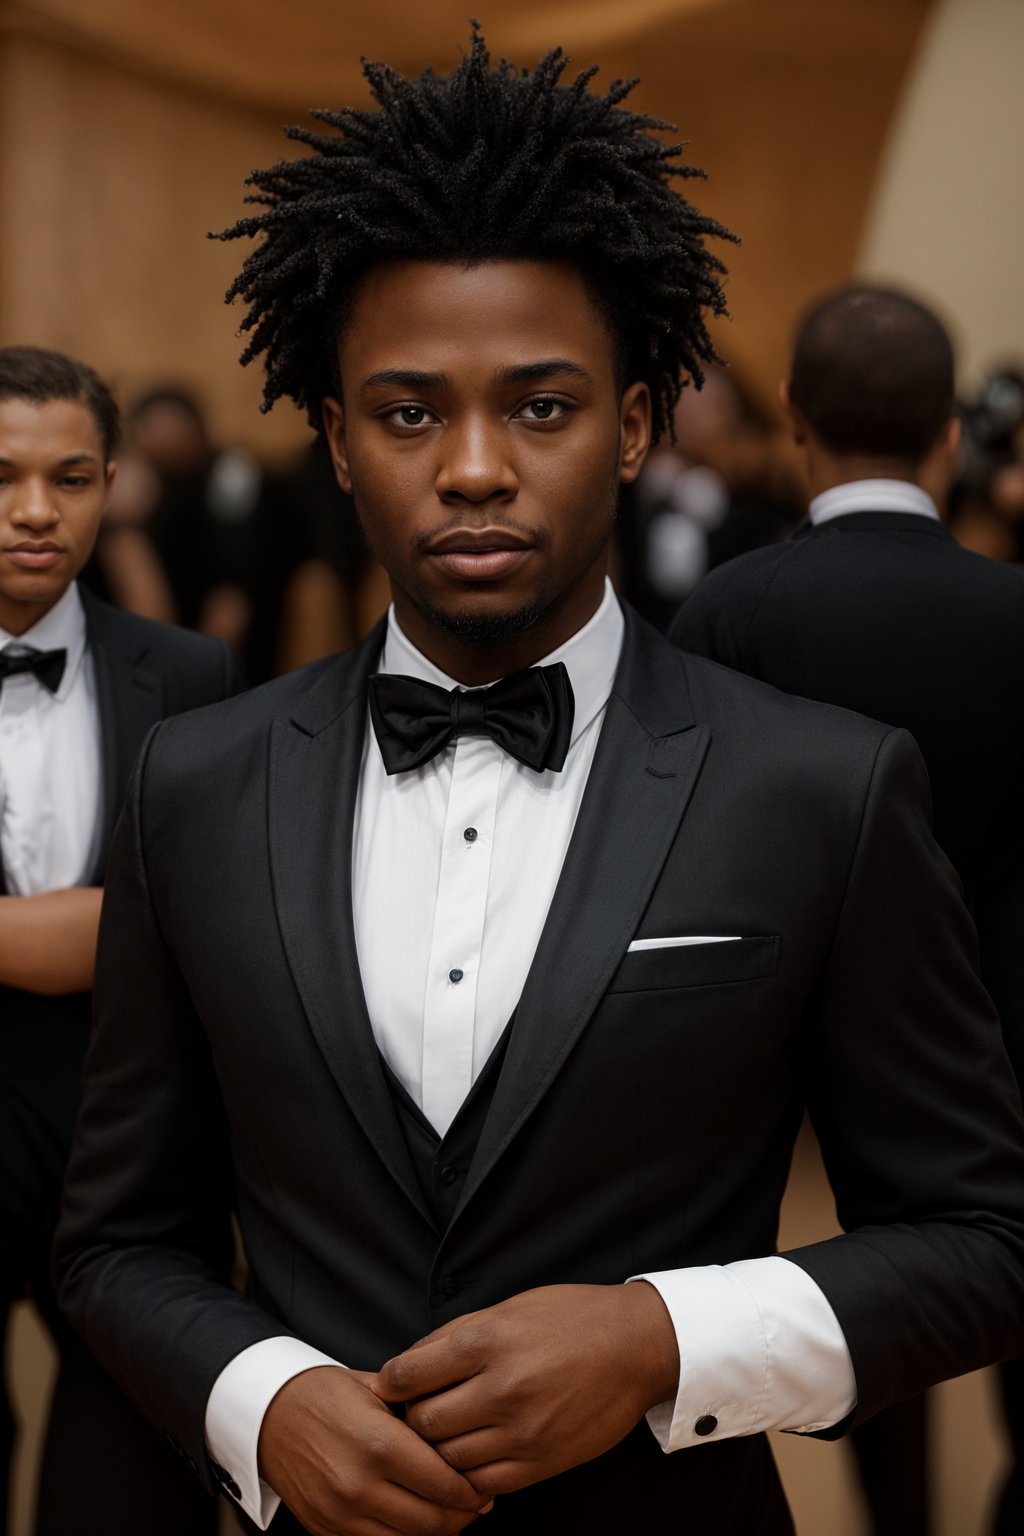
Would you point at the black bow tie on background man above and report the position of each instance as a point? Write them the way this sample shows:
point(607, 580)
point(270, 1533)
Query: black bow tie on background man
point(529, 715)
point(48, 666)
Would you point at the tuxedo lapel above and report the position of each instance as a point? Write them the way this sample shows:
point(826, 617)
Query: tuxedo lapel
point(315, 760)
point(129, 699)
point(645, 768)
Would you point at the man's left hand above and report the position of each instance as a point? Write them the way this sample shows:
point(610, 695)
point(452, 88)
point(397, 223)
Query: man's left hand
point(539, 1383)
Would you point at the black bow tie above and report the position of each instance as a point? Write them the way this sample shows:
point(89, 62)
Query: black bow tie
point(529, 715)
point(48, 666)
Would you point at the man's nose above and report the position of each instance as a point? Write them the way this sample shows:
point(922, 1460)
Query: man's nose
point(477, 463)
point(35, 506)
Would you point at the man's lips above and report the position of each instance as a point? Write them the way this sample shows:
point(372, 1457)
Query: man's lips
point(35, 557)
point(486, 555)
point(483, 564)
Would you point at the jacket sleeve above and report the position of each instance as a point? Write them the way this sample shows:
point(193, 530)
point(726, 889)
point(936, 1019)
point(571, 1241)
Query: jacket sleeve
point(917, 1111)
point(144, 1246)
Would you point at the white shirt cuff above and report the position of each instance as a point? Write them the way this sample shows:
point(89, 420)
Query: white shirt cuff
point(240, 1397)
point(759, 1348)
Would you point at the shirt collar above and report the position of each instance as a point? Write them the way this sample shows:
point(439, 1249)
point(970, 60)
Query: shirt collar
point(871, 496)
point(590, 656)
point(62, 627)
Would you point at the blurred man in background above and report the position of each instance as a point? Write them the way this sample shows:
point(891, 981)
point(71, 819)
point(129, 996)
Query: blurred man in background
point(80, 685)
point(874, 606)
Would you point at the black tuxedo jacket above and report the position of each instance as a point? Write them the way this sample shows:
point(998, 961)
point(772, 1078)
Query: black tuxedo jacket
point(648, 1101)
point(884, 613)
point(143, 672)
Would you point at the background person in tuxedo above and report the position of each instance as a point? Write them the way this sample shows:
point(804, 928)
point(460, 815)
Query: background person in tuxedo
point(873, 605)
point(483, 1000)
point(80, 684)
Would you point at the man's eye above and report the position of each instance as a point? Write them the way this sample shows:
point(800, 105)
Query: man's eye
point(74, 481)
point(543, 409)
point(408, 416)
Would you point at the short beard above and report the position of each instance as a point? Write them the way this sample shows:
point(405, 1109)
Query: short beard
point(487, 629)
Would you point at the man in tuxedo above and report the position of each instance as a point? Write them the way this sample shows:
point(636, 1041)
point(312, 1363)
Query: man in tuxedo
point(874, 606)
point(488, 966)
point(80, 685)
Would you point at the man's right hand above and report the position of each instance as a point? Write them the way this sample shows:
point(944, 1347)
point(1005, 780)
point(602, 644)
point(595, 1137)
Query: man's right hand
point(345, 1466)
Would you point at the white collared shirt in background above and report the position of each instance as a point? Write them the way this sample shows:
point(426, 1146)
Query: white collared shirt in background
point(759, 1343)
point(871, 496)
point(50, 759)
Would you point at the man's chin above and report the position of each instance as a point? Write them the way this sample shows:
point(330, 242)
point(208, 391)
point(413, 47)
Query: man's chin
point(486, 626)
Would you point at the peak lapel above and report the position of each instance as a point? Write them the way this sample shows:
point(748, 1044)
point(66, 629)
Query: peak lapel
point(315, 758)
point(646, 765)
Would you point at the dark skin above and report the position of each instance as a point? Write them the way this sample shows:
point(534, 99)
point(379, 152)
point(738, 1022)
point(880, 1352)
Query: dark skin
point(484, 440)
point(484, 436)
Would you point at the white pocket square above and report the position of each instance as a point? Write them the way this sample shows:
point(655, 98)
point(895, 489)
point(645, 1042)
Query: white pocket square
point(701, 938)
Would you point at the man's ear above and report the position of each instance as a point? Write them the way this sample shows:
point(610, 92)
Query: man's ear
point(334, 431)
point(634, 431)
point(937, 470)
point(950, 441)
point(108, 476)
point(795, 421)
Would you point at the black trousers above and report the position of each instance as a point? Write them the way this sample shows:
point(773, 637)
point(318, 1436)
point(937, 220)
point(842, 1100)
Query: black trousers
point(891, 1450)
point(105, 1470)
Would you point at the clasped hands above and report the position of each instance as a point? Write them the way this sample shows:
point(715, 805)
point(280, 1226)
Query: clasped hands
point(494, 1401)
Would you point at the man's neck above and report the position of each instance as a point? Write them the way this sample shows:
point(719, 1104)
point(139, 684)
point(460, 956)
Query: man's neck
point(475, 659)
point(827, 470)
point(16, 619)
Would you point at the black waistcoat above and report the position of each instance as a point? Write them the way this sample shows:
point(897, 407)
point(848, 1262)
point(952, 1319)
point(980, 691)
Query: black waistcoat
point(441, 1163)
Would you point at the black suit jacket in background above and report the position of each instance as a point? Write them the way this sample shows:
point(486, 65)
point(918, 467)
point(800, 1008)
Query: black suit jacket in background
point(143, 672)
point(884, 613)
point(648, 1101)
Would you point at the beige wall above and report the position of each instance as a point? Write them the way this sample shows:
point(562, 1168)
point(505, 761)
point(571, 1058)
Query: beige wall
point(948, 215)
point(126, 131)
point(109, 185)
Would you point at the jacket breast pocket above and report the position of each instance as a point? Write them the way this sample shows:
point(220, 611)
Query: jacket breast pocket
point(697, 965)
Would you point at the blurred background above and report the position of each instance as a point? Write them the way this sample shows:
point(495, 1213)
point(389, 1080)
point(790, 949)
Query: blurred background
point(854, 138)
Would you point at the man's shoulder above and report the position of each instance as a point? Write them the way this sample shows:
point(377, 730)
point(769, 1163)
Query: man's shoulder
point(730, 700)
point(230, 736)
point(780, 749)
point(725, 601)
point(135, 637)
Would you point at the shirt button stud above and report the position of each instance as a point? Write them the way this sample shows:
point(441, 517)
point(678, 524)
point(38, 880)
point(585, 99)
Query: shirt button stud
point(706, 1425)
point(470, 834)
point(456, 975)
point(448, 1175)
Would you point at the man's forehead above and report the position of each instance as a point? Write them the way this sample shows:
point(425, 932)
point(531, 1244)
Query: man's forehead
point(59, 428)
point(514, 313)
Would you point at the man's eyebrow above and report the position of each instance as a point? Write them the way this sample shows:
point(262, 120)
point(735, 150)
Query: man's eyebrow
point(515, 373)
point(405, 378)
point(543, 368)
point(67, 462)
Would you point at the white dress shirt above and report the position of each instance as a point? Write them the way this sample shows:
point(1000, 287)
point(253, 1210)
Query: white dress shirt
point(871, 496)
point(50, 759)
point(454, 867)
